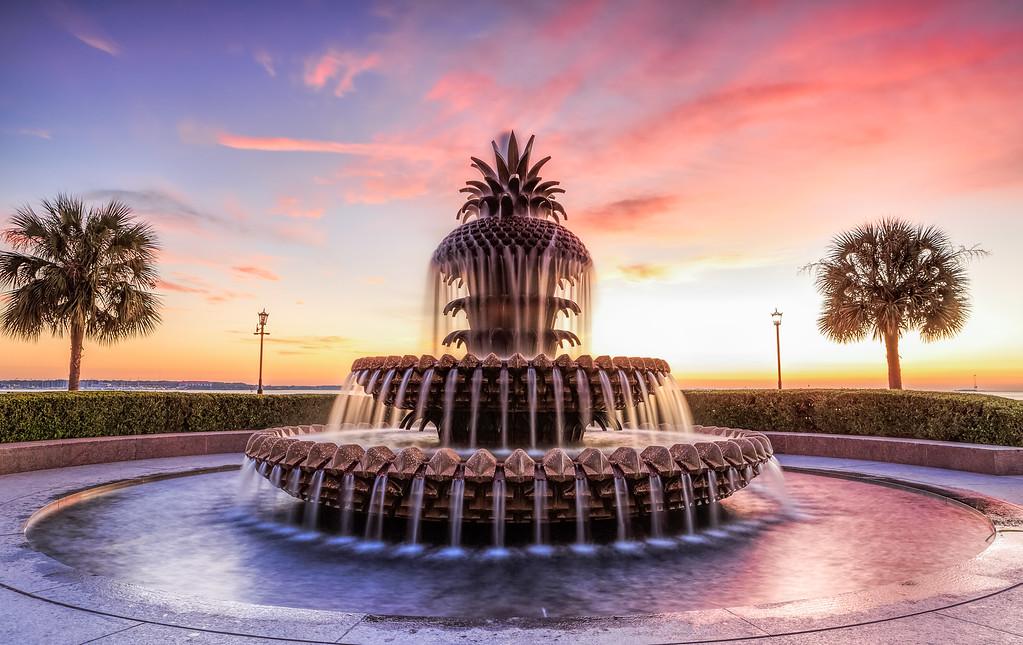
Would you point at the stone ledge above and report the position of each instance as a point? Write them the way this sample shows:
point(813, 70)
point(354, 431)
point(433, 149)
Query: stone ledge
point(60, 453)
point(971, 457)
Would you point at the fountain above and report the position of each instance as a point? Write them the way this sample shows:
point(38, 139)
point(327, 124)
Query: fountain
point(522, 429)
point(564, 485)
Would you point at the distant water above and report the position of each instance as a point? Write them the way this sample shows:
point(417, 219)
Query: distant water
point(1008, 395)
point(1018, 396)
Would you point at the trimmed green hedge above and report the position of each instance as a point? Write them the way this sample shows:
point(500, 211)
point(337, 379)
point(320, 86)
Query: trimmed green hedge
point(944, 416)
point(972, 418)
point(62, 415)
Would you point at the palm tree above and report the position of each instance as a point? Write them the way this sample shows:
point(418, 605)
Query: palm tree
point(84, 273)
point(891, 277)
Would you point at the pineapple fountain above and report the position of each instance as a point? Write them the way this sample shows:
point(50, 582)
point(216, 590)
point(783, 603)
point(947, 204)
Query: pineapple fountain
point(511, 438)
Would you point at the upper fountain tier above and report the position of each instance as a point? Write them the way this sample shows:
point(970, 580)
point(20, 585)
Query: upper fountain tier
point(513, 280)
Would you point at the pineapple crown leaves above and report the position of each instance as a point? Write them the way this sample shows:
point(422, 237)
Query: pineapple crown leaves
point(514, 188)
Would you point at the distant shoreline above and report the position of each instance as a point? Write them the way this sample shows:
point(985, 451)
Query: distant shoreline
point(97, 385)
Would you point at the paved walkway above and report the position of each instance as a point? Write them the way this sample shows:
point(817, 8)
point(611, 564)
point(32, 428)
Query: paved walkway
point(43, 601)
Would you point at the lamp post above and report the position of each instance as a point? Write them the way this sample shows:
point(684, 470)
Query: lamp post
point(776, 318)
point(261, 332)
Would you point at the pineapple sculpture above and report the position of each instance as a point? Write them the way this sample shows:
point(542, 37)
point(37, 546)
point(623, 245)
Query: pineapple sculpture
point(511, 267)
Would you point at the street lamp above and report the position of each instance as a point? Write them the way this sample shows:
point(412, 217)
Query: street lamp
point(776, 319)
point(261, 332)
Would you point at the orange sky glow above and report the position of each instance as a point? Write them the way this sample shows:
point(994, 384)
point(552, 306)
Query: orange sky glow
point(708, 150)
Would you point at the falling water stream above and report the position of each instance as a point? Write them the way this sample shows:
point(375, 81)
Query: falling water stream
point(375, 519)
point(502, 381)
point(531, 401)
point(416, 504)
point(347, 503)
point(622, 508)
point(450, 385)
point(539, 508)
point(687, 502)
point(713, 506)
point(498, 512)
point(582, 496)
point(312, 506)
point(559, 405)
point(582, 387)
point(424, 393)
point(474, 403)
point(455, 511)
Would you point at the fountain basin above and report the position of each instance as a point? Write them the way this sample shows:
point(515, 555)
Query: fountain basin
point(332, 469)
point(189, 536)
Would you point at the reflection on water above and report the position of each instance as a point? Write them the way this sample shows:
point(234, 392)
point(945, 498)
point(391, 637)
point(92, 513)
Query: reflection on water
point(189, 536)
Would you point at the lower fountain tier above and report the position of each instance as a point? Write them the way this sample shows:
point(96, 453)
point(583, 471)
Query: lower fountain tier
point(550, 400)
point(688, 473)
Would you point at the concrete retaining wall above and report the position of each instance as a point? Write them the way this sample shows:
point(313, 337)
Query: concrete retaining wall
point(59, 453)
point(972, 457)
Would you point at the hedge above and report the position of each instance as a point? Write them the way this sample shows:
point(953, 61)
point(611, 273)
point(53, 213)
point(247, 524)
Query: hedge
point(61, 415)
point(972, 418)
point(944, 416)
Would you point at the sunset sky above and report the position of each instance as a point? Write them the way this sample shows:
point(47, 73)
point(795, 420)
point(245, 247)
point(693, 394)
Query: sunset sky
point(306, 157)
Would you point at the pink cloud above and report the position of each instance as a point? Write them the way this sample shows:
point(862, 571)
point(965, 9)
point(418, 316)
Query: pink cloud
point(626, 214)
point(167, 285)
point(338, 68)
point(193, 285)
point(256, 272)
point(461, 91)
point(286, 144)
point(38, 133)
point(644, 271)
point(84, 28)
point(292, 207)
point(266, 61)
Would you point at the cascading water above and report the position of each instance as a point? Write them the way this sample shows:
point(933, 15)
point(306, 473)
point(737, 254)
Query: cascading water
point(687, 503)
point(607, 393)
point(416, 513)
point(294, 481)
point(622, 508)
point(582, 386)
point(649, 421)
point(455, 512)
point(424, 392)
point(582, 497)
point(515, 398)
point(450, 384)
point(559, 406)
point(531, 401)
point(656, 507)
point(477, 385)
point(630, 407)
point(347, 503)
point(375, 519)
point(381, 410)
point(713, 507)
point(539, 509)
point(498, 512)
point(503, 387)
point(310, 514)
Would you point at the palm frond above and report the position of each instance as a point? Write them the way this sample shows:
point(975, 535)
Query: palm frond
point(890, 277)
point(71, 265)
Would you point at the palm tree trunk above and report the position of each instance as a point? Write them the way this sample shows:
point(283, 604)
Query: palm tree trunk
point(75, 371)
point(891, 344)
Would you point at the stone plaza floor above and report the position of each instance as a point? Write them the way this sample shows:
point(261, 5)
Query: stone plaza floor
point(44, 601)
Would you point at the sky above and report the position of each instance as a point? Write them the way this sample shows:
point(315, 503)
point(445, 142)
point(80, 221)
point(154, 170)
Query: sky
point(306, 157)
